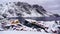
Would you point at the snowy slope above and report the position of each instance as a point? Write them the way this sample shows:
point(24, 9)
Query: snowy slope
point(21, 32)
point(14, 9)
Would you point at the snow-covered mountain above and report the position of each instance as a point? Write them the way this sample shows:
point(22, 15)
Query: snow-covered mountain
point(15, 9)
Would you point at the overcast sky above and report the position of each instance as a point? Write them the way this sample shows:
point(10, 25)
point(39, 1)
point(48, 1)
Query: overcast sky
point(49, 5)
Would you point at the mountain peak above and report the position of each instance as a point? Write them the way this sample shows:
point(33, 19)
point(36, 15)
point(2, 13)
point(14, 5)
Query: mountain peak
point(14, 9)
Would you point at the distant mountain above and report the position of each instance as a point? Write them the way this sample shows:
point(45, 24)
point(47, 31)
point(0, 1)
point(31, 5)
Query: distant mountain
point(15, 9)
